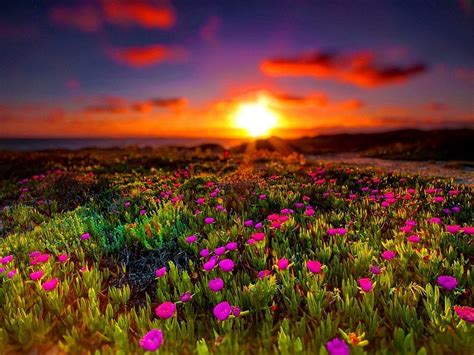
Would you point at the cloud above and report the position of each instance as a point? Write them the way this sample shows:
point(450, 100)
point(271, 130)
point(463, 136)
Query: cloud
point(117, 105)
point(290, 100)
point(436, 106)
point(84, 17)
point(209, 30)
point(18, 31)
point(360, 69)
point(108, 104)
point(136, 12)
point(140, 57)
point(464, 74)
point(73, 84)
point(174, 102)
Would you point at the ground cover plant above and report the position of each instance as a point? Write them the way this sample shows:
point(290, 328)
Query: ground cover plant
point(198, 251)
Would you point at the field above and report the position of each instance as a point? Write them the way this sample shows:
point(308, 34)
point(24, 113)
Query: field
point(197, 251)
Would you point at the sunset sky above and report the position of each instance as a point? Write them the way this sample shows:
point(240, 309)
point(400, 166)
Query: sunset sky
point(184, 68)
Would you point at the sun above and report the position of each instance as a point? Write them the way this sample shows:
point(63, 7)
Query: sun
point(257, 118)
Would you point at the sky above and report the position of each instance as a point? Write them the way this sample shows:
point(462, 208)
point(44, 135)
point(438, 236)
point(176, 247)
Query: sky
point(123, 68)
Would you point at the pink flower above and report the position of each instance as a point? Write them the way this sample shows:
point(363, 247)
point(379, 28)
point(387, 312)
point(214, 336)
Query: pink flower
point(468, 230)
point(85, 236)
point(222, 311)
point(191, 239)
point(337, 346)
point(258, 236)
point(152, 340)
point(309, 212)
point(50, 284)
point(438, 199)
point(453, 229)
point(465, 313)
point(42, 258)
point(282, 264)
point(388, 254)
point(142, 212)
point(447, 282)
point(209, 220)
point(11, 273)
point(262, 197)
point(250, 241)
point(165, 310)
point(226, 265)
point(200, 200)
point(160, 272)
point(413, 238)
point(259, 225)
point(264, 273)
point(6, 259)
point(62, 258)
point(313, 266)
point(36, 275)
point(215, 285)
point(365, 284)
point(434, 220)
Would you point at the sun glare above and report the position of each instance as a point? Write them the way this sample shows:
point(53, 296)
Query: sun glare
point(256, 118)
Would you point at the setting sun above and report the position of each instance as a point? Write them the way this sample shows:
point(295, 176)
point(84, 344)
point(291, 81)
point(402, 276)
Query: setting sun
point(256, 118)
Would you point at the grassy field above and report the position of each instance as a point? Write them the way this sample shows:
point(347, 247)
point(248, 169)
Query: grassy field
point(192, 251)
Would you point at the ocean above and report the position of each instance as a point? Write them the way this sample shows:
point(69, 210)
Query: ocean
point(33, 144)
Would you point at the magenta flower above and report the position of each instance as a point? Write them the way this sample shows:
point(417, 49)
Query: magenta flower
point(434, 220)
point(222, 311)
point(34, 254)
point(209, 265)
point(204, 253)
point(226, 265)
point(219, 250)
point(6, 259)
point(209, 220)
point(337, 346)
point(200, 200)
point(282, 264)
point(313, 266)
point(142, 212)
point(248, 223)
point(264, 273)
point(236, 311)
point(185, 297)
point(215, 285)
point(309, 212)
point(2, 270)
point(388, 254)
point(250, 241)
point(447, 282)
point(160, 272)
point(152, 340)
point(262, 197)
point(50, 284)
point(375, 269)
point(231, 246)
point(62, 258)
point(465, 313)
point(413, 238)
point(11, 273)
point(191, 239)
point(165, 310)
point(36, 275)
point(259, 225)
point(85, 236)
point(365, 284)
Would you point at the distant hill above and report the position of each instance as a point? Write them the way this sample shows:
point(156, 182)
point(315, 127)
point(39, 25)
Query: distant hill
point(408, 144)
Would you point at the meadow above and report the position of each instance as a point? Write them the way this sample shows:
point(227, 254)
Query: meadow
point(194, 251)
